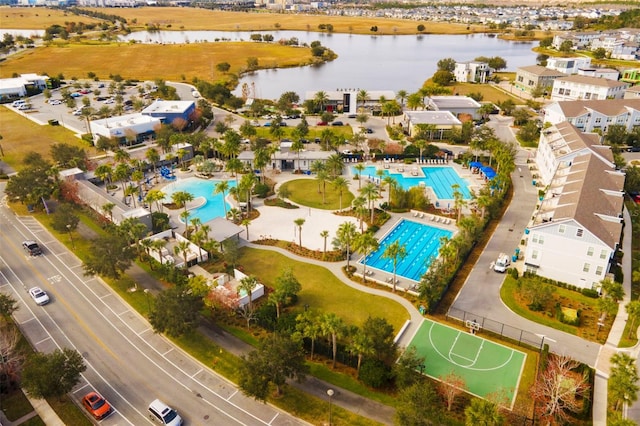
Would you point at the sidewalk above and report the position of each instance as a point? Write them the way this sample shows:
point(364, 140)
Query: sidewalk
point(610, 348)
point(41, 408)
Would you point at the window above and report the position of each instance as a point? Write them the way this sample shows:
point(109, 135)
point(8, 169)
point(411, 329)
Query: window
point(534, 238)
point(599, 270)
point(586, 267)
point(590, 251)
point(579, 232)
point(520, 78)
point(562, 229)
point(603, 254)
point(598, 119)
point(541, 239)
point(534, 254)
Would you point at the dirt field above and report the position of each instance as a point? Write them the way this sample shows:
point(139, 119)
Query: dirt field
point(148, 62)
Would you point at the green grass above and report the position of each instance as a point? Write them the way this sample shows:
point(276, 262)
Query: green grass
point(69, 412)
point(321, 290)
point(305, 192)
point(15, 405)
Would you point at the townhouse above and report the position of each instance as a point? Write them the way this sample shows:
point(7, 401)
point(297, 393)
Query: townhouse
point(589, 116)
point(575, 87)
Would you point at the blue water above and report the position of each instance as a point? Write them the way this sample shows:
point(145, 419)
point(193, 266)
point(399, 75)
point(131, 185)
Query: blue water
point(439, 179)
point(201, 188)
point(421, 242)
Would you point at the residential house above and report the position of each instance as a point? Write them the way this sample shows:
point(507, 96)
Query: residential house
point(568, 65)
point(608, 73)
point(588, 116)
point(346, 100)
point(574, 87)
point(472, 72)
point(530, 77)
point(632, 92)
point(440, 121)
point(577, 225)
point(580, 40)
point(631, 76)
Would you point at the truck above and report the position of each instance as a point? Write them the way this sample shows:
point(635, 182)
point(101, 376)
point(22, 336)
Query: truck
point(502, 263)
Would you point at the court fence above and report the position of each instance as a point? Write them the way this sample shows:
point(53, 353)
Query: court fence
point(522, 337)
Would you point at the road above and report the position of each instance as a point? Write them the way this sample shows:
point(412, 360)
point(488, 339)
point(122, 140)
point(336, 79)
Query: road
point(126, 362)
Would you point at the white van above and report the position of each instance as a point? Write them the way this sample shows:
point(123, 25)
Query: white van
point(164, 414)
point(17, 103)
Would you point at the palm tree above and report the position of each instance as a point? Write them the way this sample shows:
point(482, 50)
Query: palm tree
point(221, 188)
point(321, 99)
point(104, 172)
point(121, 156)
point(199, 238)
point(108, 209)
point(334, 165)
point(345, 236)
point(332, 326)
point(309, 324)
point(182, 153)
point(322, 178)
point(158, 245)
point(182, 247)
point(324, 235)
point(246, 185)
point(421, 144)
point(359, 168)
point(235, 166)
point(458, 198)
point(341, 185)
point(296, 147)
point(195, 222)
point(402, 95)
point(234, 214)
point(181, 198)
point(365, 244)
point(146, 244)
point(362, 96)
point(299, 222)
point(395, 252)
point(370, 193)
point(358, 204)
point(121, 173)
point(247, 284)
point(390, 181)
point(362, 344)
point(131, 190)
point(153, 156)
point(246, 223)
point(154, 196)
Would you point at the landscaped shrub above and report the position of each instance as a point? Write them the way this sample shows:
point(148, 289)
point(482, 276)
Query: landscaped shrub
point(374, 373)
point(590, 293)
point(262, 190)
point(513, 272)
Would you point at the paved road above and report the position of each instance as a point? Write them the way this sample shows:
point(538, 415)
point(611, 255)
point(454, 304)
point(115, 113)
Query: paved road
point(127, 362)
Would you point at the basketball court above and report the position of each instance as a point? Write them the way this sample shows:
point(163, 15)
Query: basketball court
point(486, 367)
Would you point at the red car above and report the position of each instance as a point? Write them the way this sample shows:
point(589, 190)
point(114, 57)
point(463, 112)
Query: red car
point(321, 123)
point(96, 405)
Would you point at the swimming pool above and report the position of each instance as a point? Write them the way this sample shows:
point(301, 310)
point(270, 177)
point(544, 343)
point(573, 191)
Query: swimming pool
point(421, 243)
point(201, 188)
point(439, 179)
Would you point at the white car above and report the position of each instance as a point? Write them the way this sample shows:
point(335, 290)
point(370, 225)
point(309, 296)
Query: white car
point(39, 296)
point(108, 101)
point(55, 102)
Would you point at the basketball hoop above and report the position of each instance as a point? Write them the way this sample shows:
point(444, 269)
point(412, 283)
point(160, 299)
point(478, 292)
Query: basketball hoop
point(473, 326)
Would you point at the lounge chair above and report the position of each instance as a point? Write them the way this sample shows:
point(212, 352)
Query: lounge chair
point(415, 214)
point(421, 215)
point(433, 218)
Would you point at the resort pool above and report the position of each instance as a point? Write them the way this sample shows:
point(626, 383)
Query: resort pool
point(201, 188)
point(421, 242)
point(439, 179)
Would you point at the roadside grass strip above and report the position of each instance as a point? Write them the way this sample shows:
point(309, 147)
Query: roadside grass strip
point(488, 368)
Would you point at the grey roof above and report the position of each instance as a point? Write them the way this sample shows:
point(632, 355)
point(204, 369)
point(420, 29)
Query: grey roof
point(222, 229)
point(432, 117)
point(450, 102)
point(290, 155)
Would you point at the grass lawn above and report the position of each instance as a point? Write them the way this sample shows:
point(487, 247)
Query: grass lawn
point(38, 18)
point(21, 135)
point(488, 91)
point(566, 298)
point(321, 290)
point(305, 192)
point(188, 61)
point(177, 18)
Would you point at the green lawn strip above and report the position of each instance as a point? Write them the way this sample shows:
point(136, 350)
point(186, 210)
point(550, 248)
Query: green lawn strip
point(240, 333)
point(322, 290)
point(15, 405)
point(349, 383)
point(34, 421)
point(305, 192)
point(68, 412)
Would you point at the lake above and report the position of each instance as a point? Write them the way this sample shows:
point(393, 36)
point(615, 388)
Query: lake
point(364, 61)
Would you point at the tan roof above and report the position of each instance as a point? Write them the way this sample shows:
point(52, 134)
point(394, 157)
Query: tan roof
point(564, 138)
point(593, 81)
point(541, 71)
point(592, 196)
point(608, 107)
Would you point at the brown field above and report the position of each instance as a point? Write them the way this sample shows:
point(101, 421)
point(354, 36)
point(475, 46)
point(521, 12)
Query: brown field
point(21, 135)
point(148, 62)
point(39, 18)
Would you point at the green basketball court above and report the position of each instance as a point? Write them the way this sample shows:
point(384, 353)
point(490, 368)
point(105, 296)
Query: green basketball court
point(485, 366)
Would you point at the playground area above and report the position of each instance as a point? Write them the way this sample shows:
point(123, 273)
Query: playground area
point(488, 369)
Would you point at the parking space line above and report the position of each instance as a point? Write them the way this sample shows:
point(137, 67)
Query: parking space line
point(81, 387)
point(196, 373)
point(232, 395)
point(122, 313)
point(144, 331)
point(167, 352)
point(105, 296)
point(274, 418)
point(30, 319)
point(43, 340)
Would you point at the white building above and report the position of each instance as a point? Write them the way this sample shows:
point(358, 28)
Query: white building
point(588, 116)
point(577, 226)
point(455, 104)
point(632, 92)
point(575, 87)
point(608, 73)
point(346, 100)
point(17, 87)
point(472, 72)
point(120, 127)
point(442, 121)
point(568, 65)
point(286, 159)
point(558, 146)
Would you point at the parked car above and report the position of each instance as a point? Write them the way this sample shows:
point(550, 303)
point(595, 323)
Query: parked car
point(39, 296)
point(24, 107)
point(352, 115)
point(321, 123)
point(337, 123)
point(368, 130)
point(267, 124)
point(32, 248)
point(76, 95)
point(55, 102)
point(347, 152)
point(633, 149)
point(85, 91)
point(255, 123)
point(164, 414)
point(97, 406)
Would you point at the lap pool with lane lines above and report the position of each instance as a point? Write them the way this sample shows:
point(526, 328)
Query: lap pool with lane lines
point(421, 242)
